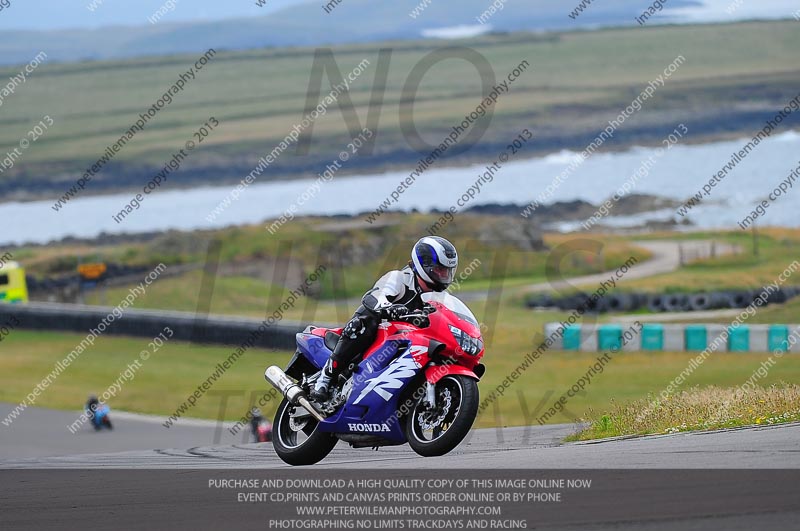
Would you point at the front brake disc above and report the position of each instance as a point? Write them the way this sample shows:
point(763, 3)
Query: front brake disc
point(428, 424)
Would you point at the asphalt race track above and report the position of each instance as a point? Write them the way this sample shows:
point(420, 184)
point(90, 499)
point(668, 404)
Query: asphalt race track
point(39, 439)
point(143, 476)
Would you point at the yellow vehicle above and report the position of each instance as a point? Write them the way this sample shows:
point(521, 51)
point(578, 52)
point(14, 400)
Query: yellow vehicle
point(12, 283)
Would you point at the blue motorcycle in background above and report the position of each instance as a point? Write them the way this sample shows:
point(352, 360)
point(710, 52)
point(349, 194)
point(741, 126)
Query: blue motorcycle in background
point(100, 418)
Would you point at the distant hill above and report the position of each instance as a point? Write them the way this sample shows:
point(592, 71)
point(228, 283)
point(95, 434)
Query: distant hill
point(351, 21)
point(733, 81)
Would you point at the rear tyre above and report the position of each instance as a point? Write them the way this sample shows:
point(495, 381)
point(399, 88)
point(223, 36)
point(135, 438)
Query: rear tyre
point(435, 432)
point(299, 443)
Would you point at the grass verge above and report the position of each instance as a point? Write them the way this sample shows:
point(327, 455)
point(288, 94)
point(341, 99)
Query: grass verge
point(159, 387)
point(696, 409)
point(177, 369)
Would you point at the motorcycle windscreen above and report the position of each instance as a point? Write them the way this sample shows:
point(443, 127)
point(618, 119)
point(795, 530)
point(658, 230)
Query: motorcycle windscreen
point(453, 304)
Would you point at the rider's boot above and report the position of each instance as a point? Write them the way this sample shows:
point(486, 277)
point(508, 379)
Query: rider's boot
point(321, 391)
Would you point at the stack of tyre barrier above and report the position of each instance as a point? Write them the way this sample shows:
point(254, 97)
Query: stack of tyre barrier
point(657, 302)
point(47, 284)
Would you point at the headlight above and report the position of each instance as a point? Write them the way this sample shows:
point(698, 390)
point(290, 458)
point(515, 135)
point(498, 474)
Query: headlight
point(468, 344)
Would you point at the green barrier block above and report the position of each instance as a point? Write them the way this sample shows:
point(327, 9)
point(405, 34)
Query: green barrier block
point(696, 337)
point(778, 338)
point(652, 337)
point(609, 337)
point(572, 337)
point(739, 339)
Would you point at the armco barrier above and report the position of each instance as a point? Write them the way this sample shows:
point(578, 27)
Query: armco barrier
point(677, 338)
point(149, 323)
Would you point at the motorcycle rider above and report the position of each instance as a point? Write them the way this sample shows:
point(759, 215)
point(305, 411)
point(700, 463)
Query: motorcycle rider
point(432, 268)
point(260, 427)
point(257, 419)
point(92, 403)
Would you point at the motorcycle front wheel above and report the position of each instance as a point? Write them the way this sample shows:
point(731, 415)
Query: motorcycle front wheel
point(436, 431)
point(297, 440)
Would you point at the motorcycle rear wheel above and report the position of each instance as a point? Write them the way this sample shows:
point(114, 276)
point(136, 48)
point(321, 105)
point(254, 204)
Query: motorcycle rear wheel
point(436, 432)
point(299, 445)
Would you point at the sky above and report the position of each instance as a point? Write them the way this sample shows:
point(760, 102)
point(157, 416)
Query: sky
point(62, 14)
point(88, 14)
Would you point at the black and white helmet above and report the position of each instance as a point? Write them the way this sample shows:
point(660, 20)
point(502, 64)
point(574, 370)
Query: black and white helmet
point(435, 260)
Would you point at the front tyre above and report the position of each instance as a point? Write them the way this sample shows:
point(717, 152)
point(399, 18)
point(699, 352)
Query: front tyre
point(436, 431)
point(296, 439)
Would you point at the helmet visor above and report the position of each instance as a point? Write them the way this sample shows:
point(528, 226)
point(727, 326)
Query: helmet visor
point(442, 274)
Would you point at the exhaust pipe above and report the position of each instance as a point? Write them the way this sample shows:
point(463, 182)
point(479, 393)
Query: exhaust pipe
point(291, 390)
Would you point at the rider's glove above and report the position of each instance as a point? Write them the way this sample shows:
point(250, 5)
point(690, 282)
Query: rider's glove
point(395, 312)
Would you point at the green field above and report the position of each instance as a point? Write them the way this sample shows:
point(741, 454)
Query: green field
point(576, 83)
point(171, 374)
point(161, 384)
point(245, 295)
point(355, 256)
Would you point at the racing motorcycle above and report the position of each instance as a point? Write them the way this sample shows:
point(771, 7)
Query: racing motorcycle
point(100, 418)
point(417, 383)
point(260, 427)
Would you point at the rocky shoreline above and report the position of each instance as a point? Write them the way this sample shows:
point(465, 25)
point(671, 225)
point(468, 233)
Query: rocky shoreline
point(540, 221)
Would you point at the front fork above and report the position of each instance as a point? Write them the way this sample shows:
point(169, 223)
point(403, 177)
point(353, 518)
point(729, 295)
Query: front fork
point(430, 395)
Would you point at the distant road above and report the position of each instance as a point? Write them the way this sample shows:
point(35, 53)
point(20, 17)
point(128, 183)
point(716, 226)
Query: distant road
point(666, 258)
